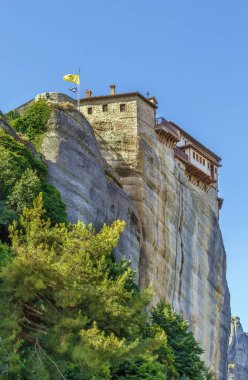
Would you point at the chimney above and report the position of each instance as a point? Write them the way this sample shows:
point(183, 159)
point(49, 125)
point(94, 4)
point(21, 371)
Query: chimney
point(88, 93)
point(112, 89)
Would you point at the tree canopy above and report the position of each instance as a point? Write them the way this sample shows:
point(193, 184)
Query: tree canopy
point(71, 312)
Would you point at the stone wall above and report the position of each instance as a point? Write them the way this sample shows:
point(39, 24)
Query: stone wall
point(53, 97)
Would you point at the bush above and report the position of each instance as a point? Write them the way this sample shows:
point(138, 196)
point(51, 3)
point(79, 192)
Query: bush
point(55, 208)
point(22, 178)
point(12, 115)
point(34, 121)
point(24, 191)
point(5, 254)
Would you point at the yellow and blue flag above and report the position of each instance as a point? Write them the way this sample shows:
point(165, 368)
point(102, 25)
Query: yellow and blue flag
point(74, 78)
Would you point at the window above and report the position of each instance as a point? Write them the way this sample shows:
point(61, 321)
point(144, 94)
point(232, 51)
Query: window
point(197, 158)
point(89, 111)
point(208, 165)
point(200, 160)
point(105, 108)
point(203, 160)
point(122, 107)
point(194, 155)
point(215, 170)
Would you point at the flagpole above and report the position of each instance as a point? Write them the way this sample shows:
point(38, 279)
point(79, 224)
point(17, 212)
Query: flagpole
point(78, 91)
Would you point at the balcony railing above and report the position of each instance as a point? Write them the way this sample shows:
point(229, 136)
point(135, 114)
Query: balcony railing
point(161, 121)
point(182, 155)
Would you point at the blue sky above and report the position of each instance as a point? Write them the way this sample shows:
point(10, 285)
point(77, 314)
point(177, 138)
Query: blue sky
point(192, 55)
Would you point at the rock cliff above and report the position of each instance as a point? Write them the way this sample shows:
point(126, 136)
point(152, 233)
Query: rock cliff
point(182, 252)
point(89, 187)
point(238, 352)
point(106, 171)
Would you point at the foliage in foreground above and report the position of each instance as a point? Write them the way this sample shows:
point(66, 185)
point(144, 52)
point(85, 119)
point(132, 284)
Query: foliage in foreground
point(69, 311)
point(22, 178)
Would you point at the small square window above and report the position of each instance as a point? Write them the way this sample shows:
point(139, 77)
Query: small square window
point(105, 108)
point(122, 107)
point(90, 111)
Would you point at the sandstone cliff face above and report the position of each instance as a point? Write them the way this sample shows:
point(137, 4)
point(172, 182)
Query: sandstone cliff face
point(238, 352)
point(184, 256)
point(172, 235)
point(88, 186)
point(182, 252)
point(121, 170)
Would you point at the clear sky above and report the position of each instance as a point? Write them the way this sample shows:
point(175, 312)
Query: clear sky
point(192, 55)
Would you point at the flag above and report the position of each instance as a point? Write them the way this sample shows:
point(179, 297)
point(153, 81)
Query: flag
point(73, 89)
point(74, 78)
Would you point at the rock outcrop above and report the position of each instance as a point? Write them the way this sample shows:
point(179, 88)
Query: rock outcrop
point(182, 253)
point(238, 352)
point(117, 170)
point(88, 186)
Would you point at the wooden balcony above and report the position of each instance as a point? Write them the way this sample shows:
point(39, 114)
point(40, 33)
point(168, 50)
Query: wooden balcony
point(182, 156)
point(195, 174)
point(167, 133)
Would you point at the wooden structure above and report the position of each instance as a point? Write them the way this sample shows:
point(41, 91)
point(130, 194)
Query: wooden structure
point(167, 133)
point(195, 174)
point(201, 164)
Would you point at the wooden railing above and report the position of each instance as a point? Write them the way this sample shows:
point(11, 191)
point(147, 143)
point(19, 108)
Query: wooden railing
point(181, 154)
point(160, 121)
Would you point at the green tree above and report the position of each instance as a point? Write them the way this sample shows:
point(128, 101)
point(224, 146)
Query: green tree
point(24, 191)
point(184, 346)
point(68, 306)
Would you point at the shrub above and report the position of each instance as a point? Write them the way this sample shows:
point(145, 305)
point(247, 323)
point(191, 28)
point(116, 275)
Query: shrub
point(12, 115)
point(34, 121)
point(22, 178)
point(24, 191)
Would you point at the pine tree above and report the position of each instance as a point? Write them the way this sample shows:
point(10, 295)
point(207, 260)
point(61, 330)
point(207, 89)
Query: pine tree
point(72, 306)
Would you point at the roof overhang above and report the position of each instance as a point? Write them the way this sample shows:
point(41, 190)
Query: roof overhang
point(93, 99)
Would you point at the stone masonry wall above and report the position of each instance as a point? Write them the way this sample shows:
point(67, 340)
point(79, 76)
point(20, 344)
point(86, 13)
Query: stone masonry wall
point(54, 97)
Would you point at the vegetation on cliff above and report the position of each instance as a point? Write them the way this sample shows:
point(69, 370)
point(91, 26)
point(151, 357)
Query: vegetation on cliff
point(68, 310)
point(33, 122)
point(22, 178)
